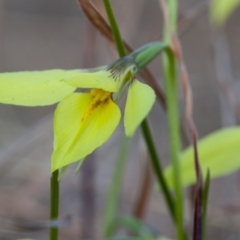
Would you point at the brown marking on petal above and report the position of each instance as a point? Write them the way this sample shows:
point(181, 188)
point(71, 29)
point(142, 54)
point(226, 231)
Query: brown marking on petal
point(99, 96)
point(90, 109)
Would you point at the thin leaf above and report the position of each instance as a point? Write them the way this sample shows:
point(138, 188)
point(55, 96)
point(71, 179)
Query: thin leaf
point(114, 189)
point(219, 152)
point(197, 221)
point(204, 204)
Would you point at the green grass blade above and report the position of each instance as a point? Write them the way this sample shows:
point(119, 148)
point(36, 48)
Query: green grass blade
point(204, 204)
point(114, 189)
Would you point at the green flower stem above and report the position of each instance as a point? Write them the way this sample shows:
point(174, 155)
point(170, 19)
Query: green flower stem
point(173, 13)
point(53, 233)
point(157, 167)
point(173, 124)
point(114, 27)
point(171, 88)
point(146, 133)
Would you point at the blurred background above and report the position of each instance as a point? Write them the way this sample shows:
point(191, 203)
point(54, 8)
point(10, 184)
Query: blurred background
point(48, 34)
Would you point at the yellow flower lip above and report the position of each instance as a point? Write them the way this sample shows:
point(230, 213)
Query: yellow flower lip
point(99, 96)
point(82, 123)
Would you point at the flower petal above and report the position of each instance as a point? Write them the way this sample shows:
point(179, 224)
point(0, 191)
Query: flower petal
point(140, 100)
point(35, 88)
point(76, 134)
point(101, 79)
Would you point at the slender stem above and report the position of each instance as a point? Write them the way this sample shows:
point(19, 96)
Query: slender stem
point(147, 135)
point(53, 233)
point(173, 124)
point(171, 88)
point(157, 167)
point(173, 14)
point(114, 27)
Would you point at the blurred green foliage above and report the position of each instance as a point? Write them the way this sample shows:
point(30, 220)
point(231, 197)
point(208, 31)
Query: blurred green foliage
point(220, 10)
point(219, 152)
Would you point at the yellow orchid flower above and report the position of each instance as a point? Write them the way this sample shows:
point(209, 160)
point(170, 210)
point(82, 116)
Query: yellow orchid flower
point(84, 121)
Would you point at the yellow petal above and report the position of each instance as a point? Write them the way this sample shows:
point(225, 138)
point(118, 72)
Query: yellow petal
point(100, 79)
point(35, 88)
point(140, 100)
point(79, 128)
